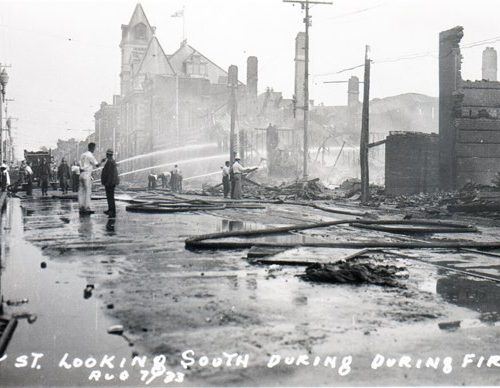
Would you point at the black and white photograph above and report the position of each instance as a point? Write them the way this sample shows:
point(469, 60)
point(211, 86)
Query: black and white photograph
point(249, 193)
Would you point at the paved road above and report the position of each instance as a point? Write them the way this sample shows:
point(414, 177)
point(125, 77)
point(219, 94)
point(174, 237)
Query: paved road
point(170, 300)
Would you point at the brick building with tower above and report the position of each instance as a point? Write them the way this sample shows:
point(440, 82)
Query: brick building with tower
point(167, 100)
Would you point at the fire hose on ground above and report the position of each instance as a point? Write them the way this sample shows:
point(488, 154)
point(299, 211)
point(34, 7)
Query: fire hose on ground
point(423, 226)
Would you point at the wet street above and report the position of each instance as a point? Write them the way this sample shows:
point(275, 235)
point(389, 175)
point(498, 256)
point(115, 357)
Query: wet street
point(82, 275)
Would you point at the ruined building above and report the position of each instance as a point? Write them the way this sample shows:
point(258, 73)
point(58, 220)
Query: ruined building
point(468, 147)
point(469, 117)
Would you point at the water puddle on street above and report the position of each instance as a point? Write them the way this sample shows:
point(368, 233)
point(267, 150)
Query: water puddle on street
point(65, 320)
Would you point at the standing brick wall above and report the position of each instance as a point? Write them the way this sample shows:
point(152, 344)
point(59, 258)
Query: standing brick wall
point(477, 150)
point(411, 163)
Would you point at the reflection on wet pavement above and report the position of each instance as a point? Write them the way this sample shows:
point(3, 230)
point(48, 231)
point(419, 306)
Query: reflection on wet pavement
point(169, 299)
point(477, 295)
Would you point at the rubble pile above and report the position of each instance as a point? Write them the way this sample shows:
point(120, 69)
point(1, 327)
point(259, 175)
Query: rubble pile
point(356, 272)
point(471, 198)
point(350, 187)
point(311, 190)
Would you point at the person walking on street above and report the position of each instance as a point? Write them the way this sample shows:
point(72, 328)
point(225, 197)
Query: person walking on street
point(87, 163)
point(29, 178)
point(63, 175)
point(225, 178)
point(109, 179)
point(75, 175)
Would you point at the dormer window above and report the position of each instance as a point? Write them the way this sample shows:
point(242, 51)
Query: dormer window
point(196, 66)
point(140, 32)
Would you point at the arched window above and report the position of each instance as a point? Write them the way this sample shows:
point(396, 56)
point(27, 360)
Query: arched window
point(140, 32)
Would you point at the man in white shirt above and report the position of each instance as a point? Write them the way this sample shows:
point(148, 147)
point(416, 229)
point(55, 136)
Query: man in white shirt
point(87, 163)
point(238, 170)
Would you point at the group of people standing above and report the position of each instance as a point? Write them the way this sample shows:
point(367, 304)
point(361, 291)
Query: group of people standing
point(232, 178)
point(172, 180)
point(109, 179)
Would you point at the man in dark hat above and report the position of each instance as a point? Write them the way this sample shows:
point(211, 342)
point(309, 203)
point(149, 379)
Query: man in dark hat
point(109, 179)
point(63, 174)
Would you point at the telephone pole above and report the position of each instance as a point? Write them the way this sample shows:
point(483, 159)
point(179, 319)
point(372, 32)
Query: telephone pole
point(233, 84)
point(307, 22)
point(365, 132)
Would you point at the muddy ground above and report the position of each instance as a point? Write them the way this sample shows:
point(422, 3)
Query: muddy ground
point(170, 300)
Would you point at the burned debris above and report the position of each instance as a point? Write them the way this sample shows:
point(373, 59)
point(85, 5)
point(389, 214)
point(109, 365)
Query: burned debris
point(207, 210)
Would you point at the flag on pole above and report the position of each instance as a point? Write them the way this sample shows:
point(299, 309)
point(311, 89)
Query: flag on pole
point(178, 14)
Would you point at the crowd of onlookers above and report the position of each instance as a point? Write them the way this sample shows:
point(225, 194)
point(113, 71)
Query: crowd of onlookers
point(45, 174)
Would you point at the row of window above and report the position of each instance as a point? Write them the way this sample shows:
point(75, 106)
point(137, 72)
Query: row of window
point(481, 112)
point(196, 66)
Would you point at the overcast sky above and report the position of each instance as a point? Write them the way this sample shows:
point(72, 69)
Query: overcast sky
point(66, 60)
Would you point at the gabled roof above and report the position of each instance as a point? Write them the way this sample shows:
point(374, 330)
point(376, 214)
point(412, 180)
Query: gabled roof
point(154, 60)
point(139, 16)
point(185, 52)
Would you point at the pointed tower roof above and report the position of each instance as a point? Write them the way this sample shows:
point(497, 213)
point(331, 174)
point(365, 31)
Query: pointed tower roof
point(155, 61)
point(139, 16)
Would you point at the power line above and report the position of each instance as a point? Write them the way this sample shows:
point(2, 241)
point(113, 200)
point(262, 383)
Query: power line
point(418, 55)
point(356, 12)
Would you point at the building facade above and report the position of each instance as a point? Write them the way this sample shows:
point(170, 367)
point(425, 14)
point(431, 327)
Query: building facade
point(107, 123)
point(167, 101)
point(469, 117)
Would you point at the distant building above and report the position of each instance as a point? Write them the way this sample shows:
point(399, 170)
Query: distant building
point(107, 122)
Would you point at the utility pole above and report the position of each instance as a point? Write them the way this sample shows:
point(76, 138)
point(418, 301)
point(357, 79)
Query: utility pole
point(307, 22)
point(365, 132)
point(233, 84)
point(177, 134)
